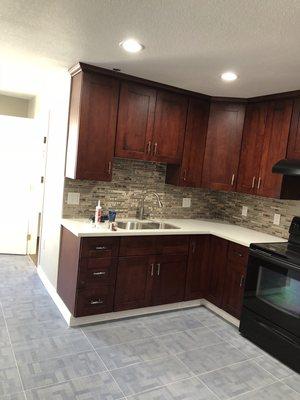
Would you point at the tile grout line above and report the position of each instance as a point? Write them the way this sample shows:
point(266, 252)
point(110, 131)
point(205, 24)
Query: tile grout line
point(13, 352)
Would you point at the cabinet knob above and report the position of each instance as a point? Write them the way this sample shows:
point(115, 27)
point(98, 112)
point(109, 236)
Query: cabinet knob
point(155, 149)
point(95, 302)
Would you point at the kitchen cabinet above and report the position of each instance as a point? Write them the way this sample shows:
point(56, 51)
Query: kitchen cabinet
point(198, 267)
point(92, 126)
point(169, 127)
point(252, 145)
point(189, 172)
point(293, 151)
point(135, 121)
point(223, 144)
point(275, 146)
point(217, 268)
point(235, 275)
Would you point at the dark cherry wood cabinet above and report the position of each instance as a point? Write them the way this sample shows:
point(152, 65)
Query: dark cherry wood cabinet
point(92, 126)
point(223, 144)
point(217, 268)
point(252, 145)
point(189, 172)
point(293, 151)
point(276, 137)
point(169, 127)
point(235, 274)
point(135, 121)
point(198, 267)
point(134, 282)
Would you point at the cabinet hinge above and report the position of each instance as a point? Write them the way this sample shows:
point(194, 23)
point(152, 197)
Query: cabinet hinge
point(45, 139)
point(42, 179)
point(28, 237)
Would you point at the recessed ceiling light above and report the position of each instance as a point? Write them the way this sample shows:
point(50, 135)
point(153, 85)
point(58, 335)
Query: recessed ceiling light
point(131, 45)
point(229, 76)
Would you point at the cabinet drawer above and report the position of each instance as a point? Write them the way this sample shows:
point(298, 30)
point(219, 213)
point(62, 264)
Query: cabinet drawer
point(151, 245)
point(93, 270)
point(237, 253)
point(173, 244)
point(95, 300)
point(99, 247)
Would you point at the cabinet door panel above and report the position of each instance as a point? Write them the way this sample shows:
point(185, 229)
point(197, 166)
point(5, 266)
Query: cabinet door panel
point(223, 144)
point(134, 283)
point(275, 146)
point(294, 139)
point(169, 127)
point(252, 145)
point(97, 131)
point(198, 268)
point(217, 269)
point(169, 279)
point(135, 121)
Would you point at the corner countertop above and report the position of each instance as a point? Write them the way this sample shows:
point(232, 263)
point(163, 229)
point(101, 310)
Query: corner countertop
point(233, 233)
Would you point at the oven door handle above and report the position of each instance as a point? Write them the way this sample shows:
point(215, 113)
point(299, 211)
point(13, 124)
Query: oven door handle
point(273, 330)
point(273, 259)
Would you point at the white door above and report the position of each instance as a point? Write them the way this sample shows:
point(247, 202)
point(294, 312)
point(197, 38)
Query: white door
point(17, 162)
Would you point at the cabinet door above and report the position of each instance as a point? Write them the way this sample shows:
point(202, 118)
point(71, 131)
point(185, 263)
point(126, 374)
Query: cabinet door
point(275, 146)
point(294, 139)
point(198, 268)
point(189, 173)
point(169, 127)
point(217, 269)
point(134, 282)
point(169, 279)
point(235, 279)
point(253, 138)
point(97, 131)
point(135, 121)
point(223, 144)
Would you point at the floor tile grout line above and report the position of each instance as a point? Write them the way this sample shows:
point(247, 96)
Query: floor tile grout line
point(253, 390)
point(13, 352)
point(107, 370)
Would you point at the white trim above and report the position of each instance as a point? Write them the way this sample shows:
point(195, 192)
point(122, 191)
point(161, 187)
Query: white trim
point(54, 295)
point(221, 313)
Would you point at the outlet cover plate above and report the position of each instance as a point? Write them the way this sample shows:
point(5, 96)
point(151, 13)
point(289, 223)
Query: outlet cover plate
point(73, 198)
point(186, 202)
point(244, 211)
point(276, 220)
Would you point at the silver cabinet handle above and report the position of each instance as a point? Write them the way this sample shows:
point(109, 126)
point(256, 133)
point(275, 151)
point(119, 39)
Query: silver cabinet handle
point(101, 248)
point(184, 175)
point(149, 147)
point(253, 182)
point(232, 179)
point(109, 167)
point(258, 183)
point(158, 269)
point(155, 149)
point(242, 281)
point(95, 302)
point(99, 273)
point(152, 269)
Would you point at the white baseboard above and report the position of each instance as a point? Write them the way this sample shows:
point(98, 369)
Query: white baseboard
point(72, 321)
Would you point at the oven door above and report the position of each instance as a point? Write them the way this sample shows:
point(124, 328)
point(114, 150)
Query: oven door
point(272, 290)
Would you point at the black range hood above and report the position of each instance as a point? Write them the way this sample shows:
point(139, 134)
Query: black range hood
point(290, 169)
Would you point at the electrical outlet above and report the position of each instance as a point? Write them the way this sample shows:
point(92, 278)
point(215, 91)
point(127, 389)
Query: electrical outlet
point(186, 202)
point(244, 211)
point(276, 220)
point(73, 198)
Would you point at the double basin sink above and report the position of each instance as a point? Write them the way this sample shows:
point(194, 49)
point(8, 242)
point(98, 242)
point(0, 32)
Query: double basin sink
point(138, 225)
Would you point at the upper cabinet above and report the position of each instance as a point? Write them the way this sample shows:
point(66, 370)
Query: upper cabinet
point(92, 126)
point(169, 127)
point(223, 144)
point(135, 121)
point(294, 139)
point(276, 137)
point(189, 172)
point(252, 145)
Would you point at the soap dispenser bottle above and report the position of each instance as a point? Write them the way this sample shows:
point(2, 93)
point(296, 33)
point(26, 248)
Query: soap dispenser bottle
point(98, 214)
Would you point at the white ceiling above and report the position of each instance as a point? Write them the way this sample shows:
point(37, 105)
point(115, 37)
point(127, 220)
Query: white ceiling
point(189, 43)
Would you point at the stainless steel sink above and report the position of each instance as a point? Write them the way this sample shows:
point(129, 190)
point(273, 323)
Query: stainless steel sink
point(135, 225)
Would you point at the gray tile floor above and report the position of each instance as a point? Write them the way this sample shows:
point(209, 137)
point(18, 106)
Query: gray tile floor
point(182, 355)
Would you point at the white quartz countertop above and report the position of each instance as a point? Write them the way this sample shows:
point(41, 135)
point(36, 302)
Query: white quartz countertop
point(234, 233)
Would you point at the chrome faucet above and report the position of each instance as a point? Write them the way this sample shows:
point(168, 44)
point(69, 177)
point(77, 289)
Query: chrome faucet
point(141, 210)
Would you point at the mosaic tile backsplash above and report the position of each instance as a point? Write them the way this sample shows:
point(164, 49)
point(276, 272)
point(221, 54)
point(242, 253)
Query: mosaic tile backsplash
point(131, 179)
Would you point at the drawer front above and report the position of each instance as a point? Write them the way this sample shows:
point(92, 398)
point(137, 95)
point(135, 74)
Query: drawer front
point(237, 253)
point(173, 244)
point(97, 270)
point(99, 247)
point(95, 300)
point(138, 245)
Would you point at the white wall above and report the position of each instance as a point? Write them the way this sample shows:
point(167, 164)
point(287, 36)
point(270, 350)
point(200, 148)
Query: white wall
point(13, 106)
